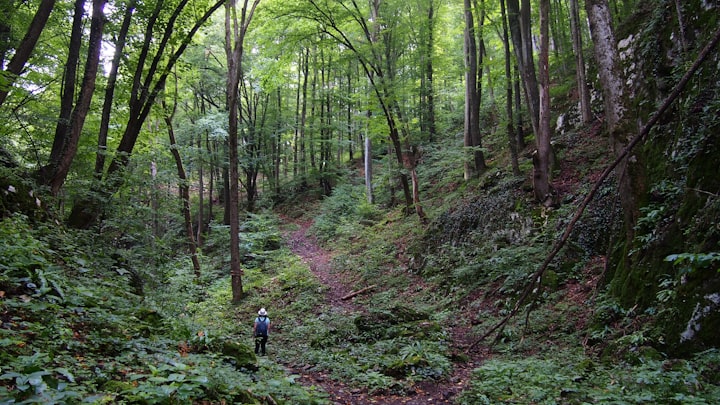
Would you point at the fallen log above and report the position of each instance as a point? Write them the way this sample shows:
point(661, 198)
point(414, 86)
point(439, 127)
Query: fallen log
point(358, 292)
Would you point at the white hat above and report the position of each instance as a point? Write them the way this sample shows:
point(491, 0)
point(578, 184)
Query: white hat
point(262, 312)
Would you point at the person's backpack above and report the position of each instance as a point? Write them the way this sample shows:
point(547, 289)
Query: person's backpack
point(261, 329)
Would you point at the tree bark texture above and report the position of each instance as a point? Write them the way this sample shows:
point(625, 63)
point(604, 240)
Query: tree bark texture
point(510, 126)
point(631, 176)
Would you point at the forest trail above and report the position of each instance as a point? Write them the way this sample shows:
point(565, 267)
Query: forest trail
point(427, 392)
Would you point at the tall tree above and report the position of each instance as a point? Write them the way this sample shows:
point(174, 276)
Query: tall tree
point(367, 46)
point(67, 136)
point(543, 156)
point(235, 31)
point(473, 83)
point(631, 173)
point(521, 33)
point(148, 79)
point(110, 88)
point(580, 76)
point(510, 125)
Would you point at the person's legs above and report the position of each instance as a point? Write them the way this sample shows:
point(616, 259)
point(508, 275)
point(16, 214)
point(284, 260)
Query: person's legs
point(257, 345)
point(262, 345)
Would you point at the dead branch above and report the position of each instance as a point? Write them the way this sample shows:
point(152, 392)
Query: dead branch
point(354, 293)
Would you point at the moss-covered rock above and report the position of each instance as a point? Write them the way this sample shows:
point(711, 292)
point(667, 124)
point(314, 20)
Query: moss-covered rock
point(397, 321)
point(241, 354)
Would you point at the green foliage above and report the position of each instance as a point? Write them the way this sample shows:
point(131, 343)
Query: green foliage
point(689, 262)
point(343, 213)
point(72, 332)
point(575, 378)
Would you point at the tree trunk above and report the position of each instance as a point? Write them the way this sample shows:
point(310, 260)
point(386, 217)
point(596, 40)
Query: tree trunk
point(368, 163)
point(67, 95)
point(234, 46)
point(471, 119)
point(110, 90)
point(471, 133)
point(61, 167)
point(541, 161)
point(25, 49)
point(301, 162)
point(142, 99)
point(521, 33)
point(184, 188)
point(428, 89)
point(631, 176)
point(520, 131)
point(583, 90)
point(512, 137)
point(201, 192)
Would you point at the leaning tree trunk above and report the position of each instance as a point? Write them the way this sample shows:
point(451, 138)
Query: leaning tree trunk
point(24, 50)
point(142, 100)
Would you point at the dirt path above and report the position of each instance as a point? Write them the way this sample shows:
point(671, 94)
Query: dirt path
point(429, 392)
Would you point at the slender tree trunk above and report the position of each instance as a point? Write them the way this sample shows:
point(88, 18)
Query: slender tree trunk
point(512, 137)
point(478, 155)
point(110, 90)
point(277, 145)
point(521, 33)
point(214, 164)
point(428, 96)
point(313, 106)
point(201, 192)
point(472, 106)
point(234, 44)
point(368, 163)
point(583, 90)
point(542, 159)
point(520, 131)
point(303, 116)
point(26, 47)
point(184, 188)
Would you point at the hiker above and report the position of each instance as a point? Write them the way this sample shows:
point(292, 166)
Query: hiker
point(261, 327)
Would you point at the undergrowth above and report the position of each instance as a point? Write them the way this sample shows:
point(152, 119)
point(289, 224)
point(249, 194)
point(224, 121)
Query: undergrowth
point(73, 329)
